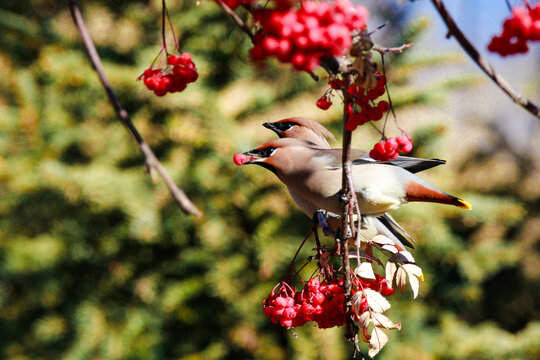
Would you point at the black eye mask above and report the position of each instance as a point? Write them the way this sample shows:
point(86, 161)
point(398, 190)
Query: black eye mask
point(284, 126)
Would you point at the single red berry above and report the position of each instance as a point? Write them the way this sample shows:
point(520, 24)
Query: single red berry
point(240, 159)
point(185, 59)
point(173, 60)
point(324, 103)
point(383, 106)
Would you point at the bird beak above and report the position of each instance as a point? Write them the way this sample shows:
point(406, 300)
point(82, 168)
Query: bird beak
point(253, 157)
point(272, 127)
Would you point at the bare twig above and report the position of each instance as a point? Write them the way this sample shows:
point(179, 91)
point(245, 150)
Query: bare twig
point(398, 49)
point(151, 160)
point(241, 24)
point(486, 67)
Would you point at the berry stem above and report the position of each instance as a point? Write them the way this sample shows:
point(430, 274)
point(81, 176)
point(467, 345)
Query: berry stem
point(239, 22)
point(163, 15)
point(287, 277)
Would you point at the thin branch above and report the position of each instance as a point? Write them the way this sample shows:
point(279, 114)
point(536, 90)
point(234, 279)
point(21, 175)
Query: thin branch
point(347, 213)
point(241, 24)
point(398, 49)
point(150, 158)
point(486, 67)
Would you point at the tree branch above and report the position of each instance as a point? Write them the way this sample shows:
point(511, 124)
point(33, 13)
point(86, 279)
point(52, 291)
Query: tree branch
point(399, 49)
point(150, 158)
point(486, 67)
point(239, 22)
point(347, 220)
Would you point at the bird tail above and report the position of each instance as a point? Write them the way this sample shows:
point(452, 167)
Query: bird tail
point(424, 192)
point(395, 229)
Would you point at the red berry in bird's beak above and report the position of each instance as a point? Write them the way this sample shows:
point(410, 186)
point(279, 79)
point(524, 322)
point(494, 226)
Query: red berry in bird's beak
point(239, 159)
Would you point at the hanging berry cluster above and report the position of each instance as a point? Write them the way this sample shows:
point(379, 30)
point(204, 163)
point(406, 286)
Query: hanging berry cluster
point(390, 148)
point(302, 36)
point(179, 72)
point(363, 107)
point(320, 302)
point(176, 71)
point(522, 26)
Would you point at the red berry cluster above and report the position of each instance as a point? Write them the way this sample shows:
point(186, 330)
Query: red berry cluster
point(390, 148)
point(363, 108)
point(302, 36)
point(522, 26)
point(174, 78)
point(318, 302)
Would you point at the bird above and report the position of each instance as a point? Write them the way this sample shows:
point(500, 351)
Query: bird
point(314, 173)
point(301, 128)
point(312, 131)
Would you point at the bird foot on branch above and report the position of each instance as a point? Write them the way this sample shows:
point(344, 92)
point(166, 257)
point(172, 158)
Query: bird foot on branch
point(319, 218)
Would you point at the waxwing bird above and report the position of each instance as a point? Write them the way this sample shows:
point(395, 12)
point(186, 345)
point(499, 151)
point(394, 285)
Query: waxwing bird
point(312, 131)
point(315, 174)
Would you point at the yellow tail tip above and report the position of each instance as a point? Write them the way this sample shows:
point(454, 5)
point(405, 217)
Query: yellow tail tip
point(464, 204)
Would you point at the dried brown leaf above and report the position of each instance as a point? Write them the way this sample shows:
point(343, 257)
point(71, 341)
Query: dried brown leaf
point(377, 341)
point(390, 270)
point(413, 280)
point(365, 334)
point(364, 255)
point(413, 269)
point(382, 240)
point(381, 320)
point(364, 320)
point(356, 302)
point(390, 248)
point(403, 256)
point(365, 271)
point(414, 272)
point(401, 279)
point(376, 301)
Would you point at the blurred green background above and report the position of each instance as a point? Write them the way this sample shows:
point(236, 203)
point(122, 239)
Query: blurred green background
point(98, 262)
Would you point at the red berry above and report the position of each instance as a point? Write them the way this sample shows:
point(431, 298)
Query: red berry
point(318, 299)
point(185, 59)
point(239, 159)
point(313, 284)
point(173, 60)
point(383, 106)
point(323, 103)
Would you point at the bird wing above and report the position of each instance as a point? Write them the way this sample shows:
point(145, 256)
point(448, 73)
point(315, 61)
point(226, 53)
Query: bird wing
point(360, 157)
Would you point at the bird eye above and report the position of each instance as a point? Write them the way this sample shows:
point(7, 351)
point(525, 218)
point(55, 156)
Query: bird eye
point(284, 126)
point(267, 152)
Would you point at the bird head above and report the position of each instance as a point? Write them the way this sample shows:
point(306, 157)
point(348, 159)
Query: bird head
point(278, 156)
point(301, 128)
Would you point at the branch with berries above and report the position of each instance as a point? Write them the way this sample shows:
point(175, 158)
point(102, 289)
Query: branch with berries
point(333, 36)
point(151, 160)
point(513, 27)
